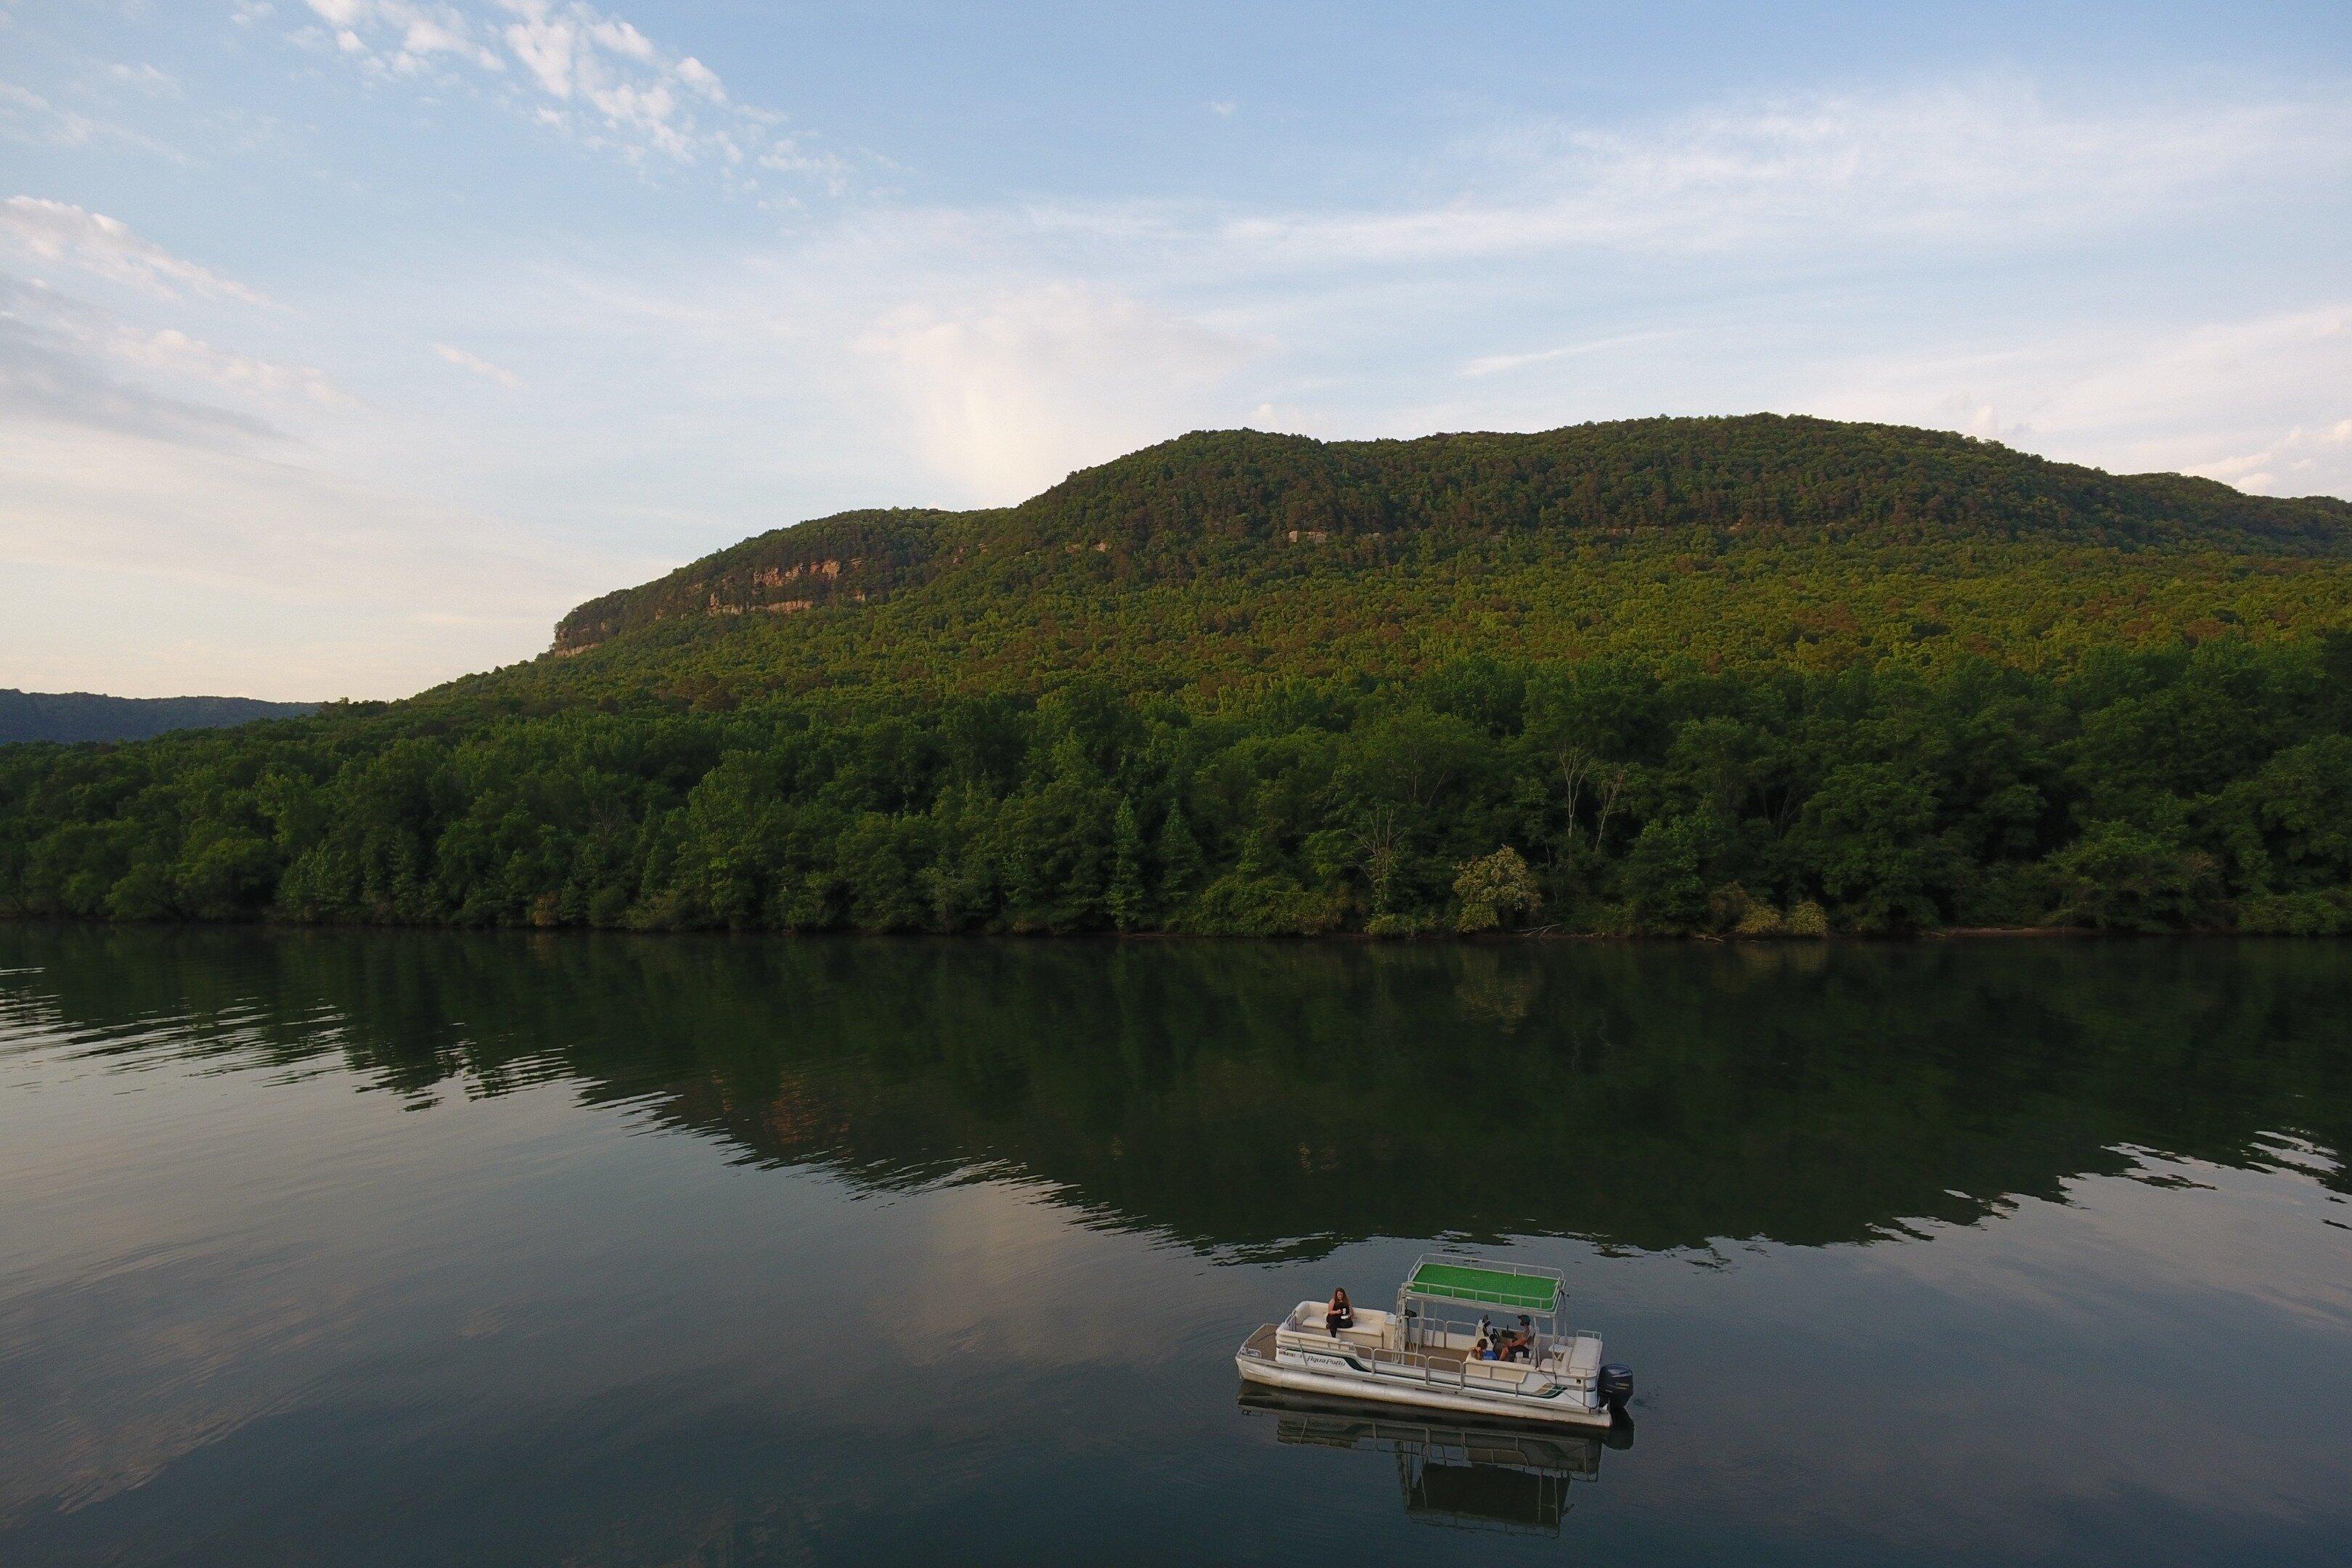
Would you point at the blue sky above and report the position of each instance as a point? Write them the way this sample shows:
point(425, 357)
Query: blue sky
point(344, 344)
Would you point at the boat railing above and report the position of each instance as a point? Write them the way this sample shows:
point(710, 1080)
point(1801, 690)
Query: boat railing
point(1490, 1265)
point(1424, 1352)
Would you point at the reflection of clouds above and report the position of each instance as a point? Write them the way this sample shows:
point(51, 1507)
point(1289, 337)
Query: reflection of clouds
point(155, 1295)
point(1010, 1273)
point(213, 1258)
point(2135, 1352)
point(193, 1254)
point(2236, 1238)
point(107, 1383)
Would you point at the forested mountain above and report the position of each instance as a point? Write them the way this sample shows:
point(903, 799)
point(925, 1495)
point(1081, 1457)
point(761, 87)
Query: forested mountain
point(1759, 675)
point(1222, 556)
point(86, 716)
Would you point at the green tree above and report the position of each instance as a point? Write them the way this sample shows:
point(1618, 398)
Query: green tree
point(1179, 858)
point(1130, 899)
point(1493, 887)
point(1868, 838)
point(2121, 877)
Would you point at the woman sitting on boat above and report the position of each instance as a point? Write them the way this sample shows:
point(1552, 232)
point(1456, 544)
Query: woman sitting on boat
point(1338, 1314)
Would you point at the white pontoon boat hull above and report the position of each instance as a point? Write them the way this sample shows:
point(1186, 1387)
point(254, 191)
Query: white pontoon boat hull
point(1357, 1385)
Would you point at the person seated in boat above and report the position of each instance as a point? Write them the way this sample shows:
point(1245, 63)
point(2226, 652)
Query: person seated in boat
point(1520, 1345)
point(1338, 1314)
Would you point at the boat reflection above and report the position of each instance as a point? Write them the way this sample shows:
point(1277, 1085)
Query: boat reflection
point(1507, 1479)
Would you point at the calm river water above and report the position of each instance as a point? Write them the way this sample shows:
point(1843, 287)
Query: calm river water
point(402, 1248)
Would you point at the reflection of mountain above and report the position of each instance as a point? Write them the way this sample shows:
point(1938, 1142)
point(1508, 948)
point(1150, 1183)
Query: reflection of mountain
point(1478, 1477)
point(1273, 1096)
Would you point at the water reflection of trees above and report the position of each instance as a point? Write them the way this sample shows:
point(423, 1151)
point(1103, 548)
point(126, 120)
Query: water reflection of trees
point(1267, 1095)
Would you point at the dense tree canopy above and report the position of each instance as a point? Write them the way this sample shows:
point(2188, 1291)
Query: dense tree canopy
point(1761, 677)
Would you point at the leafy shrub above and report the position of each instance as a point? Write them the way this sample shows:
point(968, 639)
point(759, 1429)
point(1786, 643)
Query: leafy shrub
point(2322, 913)
point(1491, 887)
point(1808, 919)
point(2121, 876)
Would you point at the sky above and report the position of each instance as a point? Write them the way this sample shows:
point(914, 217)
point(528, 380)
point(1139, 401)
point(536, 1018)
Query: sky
point(344, 344)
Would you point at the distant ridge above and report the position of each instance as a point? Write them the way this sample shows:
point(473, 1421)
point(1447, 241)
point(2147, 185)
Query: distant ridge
point(88, 716)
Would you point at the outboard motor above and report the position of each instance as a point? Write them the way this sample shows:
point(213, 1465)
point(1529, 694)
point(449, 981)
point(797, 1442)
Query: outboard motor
point(1616, 1386)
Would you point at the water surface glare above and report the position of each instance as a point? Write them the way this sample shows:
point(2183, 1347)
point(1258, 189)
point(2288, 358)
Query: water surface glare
point(395, 1249)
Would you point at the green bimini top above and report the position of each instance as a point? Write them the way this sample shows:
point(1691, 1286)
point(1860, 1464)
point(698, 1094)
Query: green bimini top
point(1487, 1287)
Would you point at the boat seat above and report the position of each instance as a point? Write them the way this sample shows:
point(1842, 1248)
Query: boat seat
point(1369, 1332)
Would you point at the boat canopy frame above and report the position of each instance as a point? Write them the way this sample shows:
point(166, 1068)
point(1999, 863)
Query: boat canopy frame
point(1461, 1279)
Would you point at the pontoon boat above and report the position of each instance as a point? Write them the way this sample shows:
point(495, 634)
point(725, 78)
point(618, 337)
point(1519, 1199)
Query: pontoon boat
point(1426, 1352)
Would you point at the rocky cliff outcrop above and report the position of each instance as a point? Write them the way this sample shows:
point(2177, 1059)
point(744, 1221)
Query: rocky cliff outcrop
point(849, 558)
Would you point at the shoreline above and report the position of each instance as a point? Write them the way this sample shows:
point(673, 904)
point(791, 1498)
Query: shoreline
point(1466, 938)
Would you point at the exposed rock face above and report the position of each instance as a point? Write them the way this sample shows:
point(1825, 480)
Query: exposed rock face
point(851, 558)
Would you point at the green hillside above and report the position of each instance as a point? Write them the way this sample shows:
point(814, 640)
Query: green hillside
point(1758, 673)
point(1223, 558)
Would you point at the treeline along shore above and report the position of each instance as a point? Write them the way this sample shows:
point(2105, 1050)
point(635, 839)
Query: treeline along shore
point(1759, 677)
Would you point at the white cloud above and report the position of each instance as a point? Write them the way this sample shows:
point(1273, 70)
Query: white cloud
point(60, 231)
point(1499, 364)
point(151, 79)
point(789, 154)
point(174, 352)
point(1986, 163)
point(1012, 393)
point(595, 75)
point(2263, 403)
point(405, 37)
point(547, 48)
point(51, 376)
point(247, 585)
point(2300, 462)
point(28, 117)
point(62, 360)
point(621, 39)
point(478, 365)
point(701, 78)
